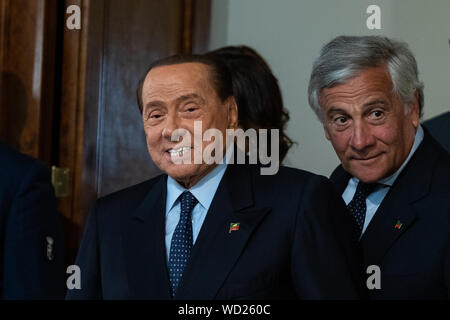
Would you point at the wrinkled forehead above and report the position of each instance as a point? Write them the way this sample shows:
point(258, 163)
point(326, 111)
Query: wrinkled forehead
point(173, 84)
point(371, 80)
point(182, 74)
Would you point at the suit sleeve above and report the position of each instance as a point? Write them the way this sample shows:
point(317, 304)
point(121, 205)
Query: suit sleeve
point(325, 263)
point(89, 263)
point(33, 260)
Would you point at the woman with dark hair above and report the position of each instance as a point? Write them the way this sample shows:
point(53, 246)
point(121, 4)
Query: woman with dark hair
point(256, 90)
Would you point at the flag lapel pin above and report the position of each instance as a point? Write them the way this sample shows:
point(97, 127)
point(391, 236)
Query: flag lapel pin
point(234, 226)
point(398, 225)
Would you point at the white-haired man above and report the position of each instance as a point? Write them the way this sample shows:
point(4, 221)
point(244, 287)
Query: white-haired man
point(394, 177)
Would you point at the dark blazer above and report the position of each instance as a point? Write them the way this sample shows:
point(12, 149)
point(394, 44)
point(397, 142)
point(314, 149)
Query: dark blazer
point(293, 242)
point(415, 259)
point(439, 128)
point(29, 267)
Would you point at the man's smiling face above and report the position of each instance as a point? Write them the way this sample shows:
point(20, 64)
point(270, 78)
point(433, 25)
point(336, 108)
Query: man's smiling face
point(174, 96)
point(369, 127)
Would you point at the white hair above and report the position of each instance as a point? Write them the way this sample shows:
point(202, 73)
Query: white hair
point(345, 57)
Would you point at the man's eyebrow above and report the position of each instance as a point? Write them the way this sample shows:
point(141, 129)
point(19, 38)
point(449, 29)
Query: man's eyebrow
point(374, 102)
point(190, 96)
point(332, 110)
point(154, 104)
point(335, 110)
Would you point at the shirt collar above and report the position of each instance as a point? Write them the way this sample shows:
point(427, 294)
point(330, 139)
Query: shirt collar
point(204, 190)
point(389, 181)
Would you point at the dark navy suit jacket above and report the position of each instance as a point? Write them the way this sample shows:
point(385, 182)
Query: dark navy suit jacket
point(439, 128)
point(293, 242)
point(27, 217)
point(415, 259)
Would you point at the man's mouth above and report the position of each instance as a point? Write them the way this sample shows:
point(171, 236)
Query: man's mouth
point(366, 158)
point(178, 151)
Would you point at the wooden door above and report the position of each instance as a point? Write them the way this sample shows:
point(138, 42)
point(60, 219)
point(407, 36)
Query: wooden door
point(28, 64)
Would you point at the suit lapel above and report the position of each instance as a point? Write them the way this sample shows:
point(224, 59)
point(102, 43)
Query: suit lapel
point(397, 213)
point(217, 248)
point(340, 178)
point(393, 217)
point(144, 246)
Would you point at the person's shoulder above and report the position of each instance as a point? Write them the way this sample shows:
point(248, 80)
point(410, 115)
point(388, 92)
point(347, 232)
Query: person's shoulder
point(439, 128)
point(440, 122)
point(15, 166)
point(441, 172)
point(14, 160)
point(438, 190)
point(429, 175)
point(137, 190)
point(436, 157)
point(292, 189)
point(288, 177)
point(125, 200)
point(291, 174)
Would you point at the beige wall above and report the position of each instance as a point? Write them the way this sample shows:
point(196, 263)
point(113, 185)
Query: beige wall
point(290, 33)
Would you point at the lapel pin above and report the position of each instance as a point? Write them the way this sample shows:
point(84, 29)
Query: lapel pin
point(398, 225)
point(234, 226)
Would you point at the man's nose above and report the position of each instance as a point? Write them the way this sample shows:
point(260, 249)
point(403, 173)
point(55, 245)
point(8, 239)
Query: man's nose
point(362, 137)
point(170, 125)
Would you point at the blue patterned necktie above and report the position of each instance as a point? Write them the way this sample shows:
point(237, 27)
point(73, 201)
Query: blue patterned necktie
point(357, 206)
point(181, 244)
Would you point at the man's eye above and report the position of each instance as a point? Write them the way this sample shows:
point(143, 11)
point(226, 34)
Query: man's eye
point(191, 109)
point(340, 120)
point(376, 114)
point(155, 116)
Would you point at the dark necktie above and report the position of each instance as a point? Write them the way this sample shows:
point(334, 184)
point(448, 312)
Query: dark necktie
point(357, 206)
point(181, 244)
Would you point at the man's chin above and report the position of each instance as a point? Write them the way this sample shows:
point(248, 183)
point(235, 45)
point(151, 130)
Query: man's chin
point(366, 174)
point(369, 178)
point(181, 172)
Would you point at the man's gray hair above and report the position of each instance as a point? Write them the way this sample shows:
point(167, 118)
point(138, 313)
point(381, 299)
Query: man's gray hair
point(345, 57)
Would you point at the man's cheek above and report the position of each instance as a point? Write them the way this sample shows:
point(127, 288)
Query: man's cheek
point(386, 135)
point(339, 142)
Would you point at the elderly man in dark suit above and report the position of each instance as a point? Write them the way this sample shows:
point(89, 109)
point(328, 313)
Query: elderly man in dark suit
point(31, 256)
point(213, 231)
point(394, 177)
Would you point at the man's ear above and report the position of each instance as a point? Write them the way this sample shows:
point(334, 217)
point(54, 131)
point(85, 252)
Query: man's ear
point(322, 120)
point(413, 110)
point(232, 112)
point(327, 135)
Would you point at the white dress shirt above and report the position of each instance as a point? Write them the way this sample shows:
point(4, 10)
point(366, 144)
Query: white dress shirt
point(203, 191)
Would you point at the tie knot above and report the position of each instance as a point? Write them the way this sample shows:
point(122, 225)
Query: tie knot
point(188, 202)
point(365, 189)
